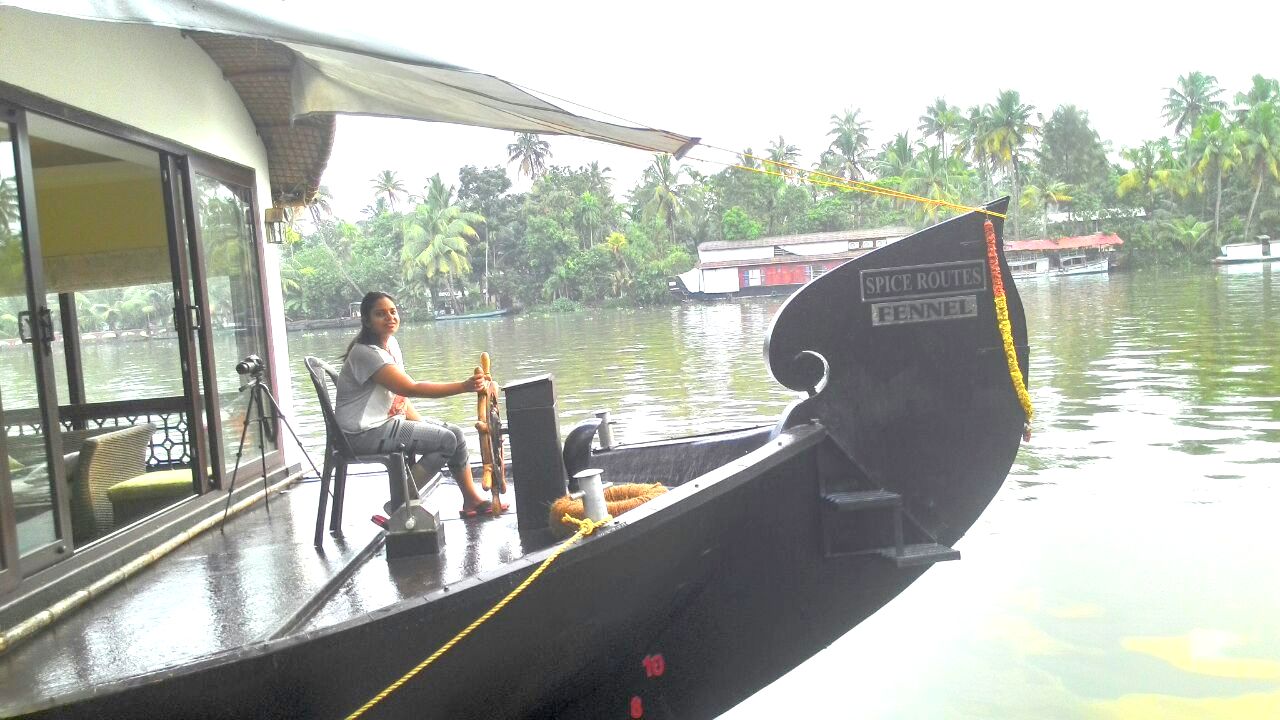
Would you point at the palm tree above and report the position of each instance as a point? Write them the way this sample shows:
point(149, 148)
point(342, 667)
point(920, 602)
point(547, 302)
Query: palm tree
point(940, 120)
point(784, 154)
point(435, 244)
point(436, 193)
point(896, 157)
point(1261, 147)
point(558, 284)
point(321, 206)
point(748, 159)
point(1007, 136)
point(1195, 95)
point(975, 128)
point(532, 152)
point(589, 216)
point(598, 177)
point(1151, 171)
point(617, 242)
point(933, 175)
point(659, 198)
point(1217, 142)
point(850, 143)
point(387, 185)
point(1187, 232)
point(1261, 90)
point(1047, 194)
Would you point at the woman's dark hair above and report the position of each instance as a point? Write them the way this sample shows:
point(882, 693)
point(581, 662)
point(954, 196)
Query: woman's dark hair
point(366, 336)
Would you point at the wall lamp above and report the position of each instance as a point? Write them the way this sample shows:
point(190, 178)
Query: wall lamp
point(273, 218)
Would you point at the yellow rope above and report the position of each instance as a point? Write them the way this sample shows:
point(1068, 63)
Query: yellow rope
point(1006, 329)
point(585, 528)
point(846, 184)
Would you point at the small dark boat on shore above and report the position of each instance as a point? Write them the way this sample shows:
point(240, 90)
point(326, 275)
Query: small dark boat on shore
point(473, 316)
point(771, 543)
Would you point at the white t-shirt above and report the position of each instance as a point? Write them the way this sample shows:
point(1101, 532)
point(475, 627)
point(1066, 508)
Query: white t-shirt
point(362, 403)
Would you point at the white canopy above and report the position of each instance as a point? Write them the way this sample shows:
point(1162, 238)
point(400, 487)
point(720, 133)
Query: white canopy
point(342, 72)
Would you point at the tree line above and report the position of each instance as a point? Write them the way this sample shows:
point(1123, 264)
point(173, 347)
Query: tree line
point(570, 240)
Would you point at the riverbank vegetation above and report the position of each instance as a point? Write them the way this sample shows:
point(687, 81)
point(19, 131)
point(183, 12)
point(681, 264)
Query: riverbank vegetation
point(573, 239)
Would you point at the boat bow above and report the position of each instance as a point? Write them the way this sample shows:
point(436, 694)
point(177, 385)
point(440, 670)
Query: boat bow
point(901, 354)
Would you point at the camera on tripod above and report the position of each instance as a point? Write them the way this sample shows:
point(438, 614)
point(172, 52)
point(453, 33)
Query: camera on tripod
point(251, 366)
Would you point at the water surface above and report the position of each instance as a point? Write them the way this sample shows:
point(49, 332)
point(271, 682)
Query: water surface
point(1127, 568)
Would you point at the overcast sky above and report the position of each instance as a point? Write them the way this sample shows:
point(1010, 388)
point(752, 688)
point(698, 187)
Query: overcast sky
point(741, 77)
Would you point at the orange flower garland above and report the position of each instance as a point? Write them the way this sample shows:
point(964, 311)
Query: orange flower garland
point(1006, 329)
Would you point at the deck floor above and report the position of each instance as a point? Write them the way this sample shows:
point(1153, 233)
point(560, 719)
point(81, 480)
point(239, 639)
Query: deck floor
point(229, 587)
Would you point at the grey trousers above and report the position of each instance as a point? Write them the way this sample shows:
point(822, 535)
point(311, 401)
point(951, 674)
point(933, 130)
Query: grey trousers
point(436, 444)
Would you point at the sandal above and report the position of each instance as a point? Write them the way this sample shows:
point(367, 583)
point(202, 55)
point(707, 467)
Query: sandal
point(484, 507)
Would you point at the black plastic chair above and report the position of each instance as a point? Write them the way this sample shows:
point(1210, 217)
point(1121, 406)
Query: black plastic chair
point(338, 453)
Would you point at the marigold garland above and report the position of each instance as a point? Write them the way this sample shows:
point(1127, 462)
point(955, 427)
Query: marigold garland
point(1006, 328)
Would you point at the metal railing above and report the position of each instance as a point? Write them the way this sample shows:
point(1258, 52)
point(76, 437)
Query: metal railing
point(170, 445)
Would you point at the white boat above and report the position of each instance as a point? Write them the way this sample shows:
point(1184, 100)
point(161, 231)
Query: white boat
point(1029, 267)
point(1081, 264)
point(1247, 252)
point(1085, 255)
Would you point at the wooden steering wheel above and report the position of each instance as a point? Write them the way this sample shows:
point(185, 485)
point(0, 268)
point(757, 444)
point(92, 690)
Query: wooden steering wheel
point(489, 428)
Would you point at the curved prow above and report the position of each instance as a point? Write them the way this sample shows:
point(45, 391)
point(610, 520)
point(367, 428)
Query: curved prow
point(902, 356)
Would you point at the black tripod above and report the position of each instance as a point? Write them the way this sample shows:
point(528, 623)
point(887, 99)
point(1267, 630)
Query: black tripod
point(254, 367)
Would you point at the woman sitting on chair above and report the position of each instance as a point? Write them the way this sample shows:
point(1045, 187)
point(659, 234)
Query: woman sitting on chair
point(373, 411)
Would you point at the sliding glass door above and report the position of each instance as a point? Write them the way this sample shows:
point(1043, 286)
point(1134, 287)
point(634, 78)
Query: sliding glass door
point(226, 264)
point(36, 511)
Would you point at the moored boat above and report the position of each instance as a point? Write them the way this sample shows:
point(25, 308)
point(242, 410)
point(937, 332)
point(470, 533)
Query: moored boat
point(473, 316)
point(1084, 255)
point(1249, 252)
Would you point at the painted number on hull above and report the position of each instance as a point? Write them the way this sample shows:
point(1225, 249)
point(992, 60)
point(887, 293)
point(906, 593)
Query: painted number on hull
point(654, 665)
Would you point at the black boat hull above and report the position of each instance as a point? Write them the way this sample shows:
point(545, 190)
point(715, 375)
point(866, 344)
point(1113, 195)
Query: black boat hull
point(723, 578)
point(762, 554)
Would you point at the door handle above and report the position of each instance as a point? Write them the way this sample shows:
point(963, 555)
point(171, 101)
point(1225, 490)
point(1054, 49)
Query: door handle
point(25, 332)
point(27, 329)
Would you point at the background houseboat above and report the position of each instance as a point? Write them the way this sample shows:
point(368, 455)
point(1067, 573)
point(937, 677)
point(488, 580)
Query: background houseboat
point(1249, 252)
point(776, 265)
point(1082, 255)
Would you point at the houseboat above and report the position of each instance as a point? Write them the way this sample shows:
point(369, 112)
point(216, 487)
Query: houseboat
point(775, 265)
point(1250, 252)
point(1083, 255)
point(145, 573)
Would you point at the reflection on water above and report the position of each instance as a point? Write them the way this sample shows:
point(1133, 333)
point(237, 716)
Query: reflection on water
point(1126, 569)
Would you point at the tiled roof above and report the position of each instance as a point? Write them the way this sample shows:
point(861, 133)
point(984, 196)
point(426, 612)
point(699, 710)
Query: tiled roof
point(1097, 240)
point(893, 231)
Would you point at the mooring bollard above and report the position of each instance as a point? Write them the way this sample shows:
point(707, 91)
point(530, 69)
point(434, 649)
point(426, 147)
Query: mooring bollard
point(593, 503)
point(605, 431)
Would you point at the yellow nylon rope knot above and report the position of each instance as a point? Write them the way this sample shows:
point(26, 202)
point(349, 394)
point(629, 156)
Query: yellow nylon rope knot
point(586, 526)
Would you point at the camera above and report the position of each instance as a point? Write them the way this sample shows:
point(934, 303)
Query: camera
point(251, 365)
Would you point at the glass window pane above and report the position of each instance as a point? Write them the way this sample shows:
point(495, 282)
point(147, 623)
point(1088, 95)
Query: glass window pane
point(229, 250)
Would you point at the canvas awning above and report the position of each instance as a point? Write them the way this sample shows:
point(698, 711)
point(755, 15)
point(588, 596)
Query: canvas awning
point(306, 73)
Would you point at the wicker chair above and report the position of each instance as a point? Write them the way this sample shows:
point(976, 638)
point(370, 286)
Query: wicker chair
point(105, 460)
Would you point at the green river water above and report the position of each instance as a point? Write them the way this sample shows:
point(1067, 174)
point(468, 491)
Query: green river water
point(1129, 567)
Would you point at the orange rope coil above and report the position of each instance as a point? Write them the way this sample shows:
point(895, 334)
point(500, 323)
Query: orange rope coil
point(618, 499)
